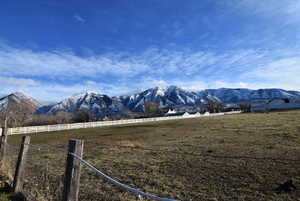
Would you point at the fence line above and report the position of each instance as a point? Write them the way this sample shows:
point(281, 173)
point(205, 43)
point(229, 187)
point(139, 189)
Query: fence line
point(59, 127)
point(94, 169)
point(111, 180)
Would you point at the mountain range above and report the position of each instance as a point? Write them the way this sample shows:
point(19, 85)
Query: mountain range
point(101, 105)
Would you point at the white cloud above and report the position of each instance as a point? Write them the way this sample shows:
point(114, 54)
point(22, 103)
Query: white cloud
point(19, 82)
point(47, 92)
point(25, 62)
point(190, 85)
point(89, 82)
point(184, 84)
point(79, 18)
point(285, 11)
point(223, 84)
point(281, 73)
point(121, 73)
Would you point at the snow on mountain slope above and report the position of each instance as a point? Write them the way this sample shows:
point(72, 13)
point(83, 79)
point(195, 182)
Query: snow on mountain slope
point(98, 104)
point(173, 96)
point(239, 95)
point(165, 96)
point(18, 102)
point(170, 97)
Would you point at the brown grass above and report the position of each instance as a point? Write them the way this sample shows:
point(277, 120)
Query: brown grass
point(236, 157)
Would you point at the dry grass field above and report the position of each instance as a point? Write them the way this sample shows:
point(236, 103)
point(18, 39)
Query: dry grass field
point(235, 157)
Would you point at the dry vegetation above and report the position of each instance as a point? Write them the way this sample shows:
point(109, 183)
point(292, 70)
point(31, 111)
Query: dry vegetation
point(237, 157)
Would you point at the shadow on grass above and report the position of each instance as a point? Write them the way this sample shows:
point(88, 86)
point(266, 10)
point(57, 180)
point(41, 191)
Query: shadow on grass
point(7, 191)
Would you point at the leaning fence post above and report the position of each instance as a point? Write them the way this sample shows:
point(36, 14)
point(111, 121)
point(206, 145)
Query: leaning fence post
point(3, 144)
point(19, 177)
point(72, 173)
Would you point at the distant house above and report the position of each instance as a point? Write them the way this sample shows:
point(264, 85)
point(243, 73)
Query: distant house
point(186, 114)
point(195, 113)
point(171, 113)
point(206, 114)
point(275, 104)
point(232, 107)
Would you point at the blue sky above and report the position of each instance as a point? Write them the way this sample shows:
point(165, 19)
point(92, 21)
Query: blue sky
point(53, 49)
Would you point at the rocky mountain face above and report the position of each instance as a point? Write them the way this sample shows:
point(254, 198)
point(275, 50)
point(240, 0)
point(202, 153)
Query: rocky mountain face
point(240, 95)
point(176, 97)
point(98, 104)
point(18, 107)
point(171, 96)
point(18, 102)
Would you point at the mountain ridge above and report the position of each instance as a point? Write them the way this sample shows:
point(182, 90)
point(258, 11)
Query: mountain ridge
point(102, 105)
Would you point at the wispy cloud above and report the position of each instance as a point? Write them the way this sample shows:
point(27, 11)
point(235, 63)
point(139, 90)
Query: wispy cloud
point(25, 62)
point(56, 74)
point(281, 73)
point(19, 82)
point(79, 18)
point(89, 82)
point(287, 11)
point(53, 92)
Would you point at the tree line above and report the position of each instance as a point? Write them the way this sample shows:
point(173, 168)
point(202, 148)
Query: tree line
point(19, 117)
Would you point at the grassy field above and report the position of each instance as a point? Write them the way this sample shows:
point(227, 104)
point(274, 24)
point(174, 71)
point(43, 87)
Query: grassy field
point(235, 157)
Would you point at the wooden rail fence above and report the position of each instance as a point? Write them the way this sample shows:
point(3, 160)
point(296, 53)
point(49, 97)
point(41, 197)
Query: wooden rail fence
point(59, 127)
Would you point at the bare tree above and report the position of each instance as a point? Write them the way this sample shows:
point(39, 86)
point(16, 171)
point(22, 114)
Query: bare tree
point(152, 109)
point(49, 119)
point(245, 107)
point(84, 115)
point(214, 106)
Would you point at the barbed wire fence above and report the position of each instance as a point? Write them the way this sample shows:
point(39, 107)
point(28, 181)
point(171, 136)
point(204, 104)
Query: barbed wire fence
point(33, 176)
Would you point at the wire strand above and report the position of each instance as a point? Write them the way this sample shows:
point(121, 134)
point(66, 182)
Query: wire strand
point(100, 173)
point(108, 178)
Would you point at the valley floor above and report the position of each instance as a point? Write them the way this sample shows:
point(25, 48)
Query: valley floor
point(235, 157)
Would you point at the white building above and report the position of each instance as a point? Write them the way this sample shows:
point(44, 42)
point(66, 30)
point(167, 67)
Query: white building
point(171, 111)
point(186, 114)
point(206, 114)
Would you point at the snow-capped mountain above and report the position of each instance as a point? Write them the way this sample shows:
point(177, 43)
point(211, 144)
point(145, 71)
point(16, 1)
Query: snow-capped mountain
point(239, 95)
point(101, 105)
point(18, 103)
point(98, 104)
point(171, 96)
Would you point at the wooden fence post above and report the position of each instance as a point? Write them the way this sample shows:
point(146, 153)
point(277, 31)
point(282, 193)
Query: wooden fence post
point(3, 144)
point(72, 173)
point(19, 176)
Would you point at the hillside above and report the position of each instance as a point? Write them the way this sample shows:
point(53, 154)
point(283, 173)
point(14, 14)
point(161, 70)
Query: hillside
point(239, 95)
point(173, 96)
point(164, 96)
point(98, 104)
point(18, 107)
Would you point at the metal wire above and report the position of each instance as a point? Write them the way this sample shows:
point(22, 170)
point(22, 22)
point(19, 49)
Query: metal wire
point(98, 172)
point(108, 178)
